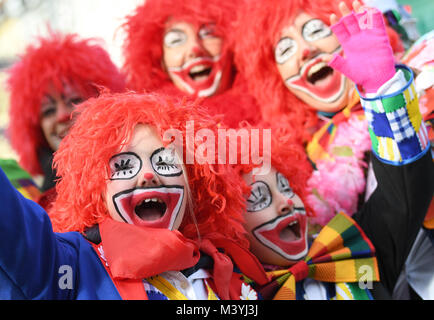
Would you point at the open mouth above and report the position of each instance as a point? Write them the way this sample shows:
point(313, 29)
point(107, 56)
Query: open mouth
point(200, 76)
point(286, 235)
point(317, 79)
point(291, 232)
point(200, 72)
point(318, 73)
point(150, 209)
point(156, 207)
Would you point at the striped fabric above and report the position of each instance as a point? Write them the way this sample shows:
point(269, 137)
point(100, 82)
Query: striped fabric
point(350, 291)
point(158, 288)
point(317, 149)
point(341, 254)
point(20, 179)
point(396, 128)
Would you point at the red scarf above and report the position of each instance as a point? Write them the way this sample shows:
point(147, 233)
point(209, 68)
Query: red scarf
point(136, 253)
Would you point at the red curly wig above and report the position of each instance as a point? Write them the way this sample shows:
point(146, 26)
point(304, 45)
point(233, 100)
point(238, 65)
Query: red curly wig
point(258, 29)
point(102, 127)
point(143, 53)
point(145, 30)
point(55, 59)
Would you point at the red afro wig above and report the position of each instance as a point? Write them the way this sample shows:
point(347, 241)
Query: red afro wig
point(287, 156)
point(102, 127)
point(258, 29)
point(53, 61)
point(145, 30)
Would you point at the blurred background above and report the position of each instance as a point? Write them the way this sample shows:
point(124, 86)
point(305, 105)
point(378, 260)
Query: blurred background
point(22, 20)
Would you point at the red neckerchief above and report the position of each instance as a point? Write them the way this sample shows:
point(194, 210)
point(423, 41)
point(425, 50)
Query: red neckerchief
point(137, 253)
point(226, 283)
point(131, 254)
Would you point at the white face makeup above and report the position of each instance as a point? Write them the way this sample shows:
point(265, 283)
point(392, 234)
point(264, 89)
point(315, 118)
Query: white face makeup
point(275, 220)
point(301, 57)
point(164, 163)
point(147, 183)
point(192, 58)
point(260, 197)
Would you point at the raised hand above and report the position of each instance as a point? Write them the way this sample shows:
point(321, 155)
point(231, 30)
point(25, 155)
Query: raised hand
point(368, 60)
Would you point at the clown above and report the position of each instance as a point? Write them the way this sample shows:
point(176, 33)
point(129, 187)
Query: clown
point(387, 224)
point(286, 69)
point(276, 217)
point(45, 85)
point(185, 48)
point(139, 215)
point(277, 225)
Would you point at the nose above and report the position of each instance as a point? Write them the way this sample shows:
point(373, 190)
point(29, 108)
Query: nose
point(285, 206)
point(63, 114)
point(308, 51)
point(196, 51)
point(149, 179)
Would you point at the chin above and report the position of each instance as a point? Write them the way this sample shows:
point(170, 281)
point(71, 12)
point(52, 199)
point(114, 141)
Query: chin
point(277, 260)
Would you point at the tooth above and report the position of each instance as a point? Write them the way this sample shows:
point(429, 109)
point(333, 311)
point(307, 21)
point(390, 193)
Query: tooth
point(316, 68)
point(147, 200)
point(198, 68)
point(154, 200)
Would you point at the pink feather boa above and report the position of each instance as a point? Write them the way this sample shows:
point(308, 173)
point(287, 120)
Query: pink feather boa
point(337, 183)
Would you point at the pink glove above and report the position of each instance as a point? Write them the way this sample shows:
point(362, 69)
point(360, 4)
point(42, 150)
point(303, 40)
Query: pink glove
point(369, 57)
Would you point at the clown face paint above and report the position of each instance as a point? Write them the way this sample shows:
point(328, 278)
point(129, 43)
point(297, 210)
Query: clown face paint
point(276, 220)
point(147, 183)
point(193, 59)
point(301, 56)
point(55, 114)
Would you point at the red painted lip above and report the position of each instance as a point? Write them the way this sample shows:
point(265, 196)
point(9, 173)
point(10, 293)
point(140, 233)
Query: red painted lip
point(184, 73)
point(269, 235)
point(330, 88)
point(126, 201)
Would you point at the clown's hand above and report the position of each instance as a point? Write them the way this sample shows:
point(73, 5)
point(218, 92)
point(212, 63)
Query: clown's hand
point(368, 60)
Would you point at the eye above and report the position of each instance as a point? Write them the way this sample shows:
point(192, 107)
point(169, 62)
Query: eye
point(283, 186)
point(48, 111)
point(315, 29)
point(75, 101)
point(260, 197)
point(125, 166)
point(164, 162)
point(207, 31)
point(174, 38)
point(285, 49)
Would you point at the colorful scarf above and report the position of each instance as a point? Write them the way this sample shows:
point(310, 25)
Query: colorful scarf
point(338, 150)
point(20, 179)
point(338, 254)
point(318, 147)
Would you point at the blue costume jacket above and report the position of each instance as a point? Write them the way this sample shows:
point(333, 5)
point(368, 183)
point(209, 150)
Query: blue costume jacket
point(36, 265)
